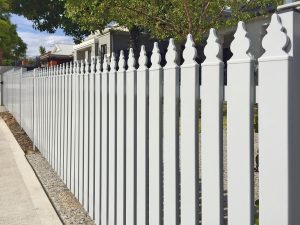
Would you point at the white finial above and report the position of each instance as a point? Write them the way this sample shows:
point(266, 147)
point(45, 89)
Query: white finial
point(276, 40)
point(131, 60)
point(122, 62)
point(171, 56)
point(87, 66)
point(190, 52)
point(143, 58)
point(93, 65)
point(68, 68)
point(105, 63)
point(63, 69)
point(81, 67)
point(60, 69)
point(113, 63)
point(241, 43)
point(213, 49)
point(74, 67)
point(71, 68)
point(156, 57)
point(98, 65)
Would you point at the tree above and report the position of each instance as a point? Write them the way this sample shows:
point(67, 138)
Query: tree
point(42, 50)
point(167, 18)
point(48, 15)
point(11, 45)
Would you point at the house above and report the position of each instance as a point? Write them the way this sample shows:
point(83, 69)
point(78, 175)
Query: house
point(61, 53)
point(111, 39)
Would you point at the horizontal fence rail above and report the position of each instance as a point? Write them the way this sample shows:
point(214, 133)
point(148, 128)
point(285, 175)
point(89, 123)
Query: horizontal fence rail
point(146, 145)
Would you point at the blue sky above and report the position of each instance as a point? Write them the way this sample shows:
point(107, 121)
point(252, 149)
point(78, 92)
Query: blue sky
point(34, 38)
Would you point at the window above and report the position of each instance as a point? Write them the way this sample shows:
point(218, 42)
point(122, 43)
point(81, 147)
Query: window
point(103, 51)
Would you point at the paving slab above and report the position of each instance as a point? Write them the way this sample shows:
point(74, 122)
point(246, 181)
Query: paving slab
point(22, 198)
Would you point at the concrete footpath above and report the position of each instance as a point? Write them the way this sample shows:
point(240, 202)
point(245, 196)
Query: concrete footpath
point(22, 198)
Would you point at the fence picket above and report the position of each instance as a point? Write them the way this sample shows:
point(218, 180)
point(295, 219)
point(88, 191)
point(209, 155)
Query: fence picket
point(81, 134)
point(86, 137)
point(98, 130)
point(155, 138)
point(189, 135)
point(131, 139)
point(240, 134)
point(92, 139)
point(104, 147)
point(171, 137)
point(142, 79)
point(121, 137)
point(212, 132)
point(275, 148)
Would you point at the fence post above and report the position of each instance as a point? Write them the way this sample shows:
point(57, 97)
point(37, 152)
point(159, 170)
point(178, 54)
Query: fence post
point(279, 124)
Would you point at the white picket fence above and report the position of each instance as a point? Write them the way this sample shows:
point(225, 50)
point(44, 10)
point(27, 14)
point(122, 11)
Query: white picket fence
point(126, 141)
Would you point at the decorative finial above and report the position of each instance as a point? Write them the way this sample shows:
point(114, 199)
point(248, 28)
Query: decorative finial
point(241, 43)
point(68, 68)
point(190, 52)
point(86, 67)
point(122, 62)
point(156, 57)
point(93, 64)
point(63, 69)
point(74, 67)
point(276, 40)
point(98, 65)
point(131, 59)
point(105, 64)
point(171, 56)
point(143, 58)
point(113, 63)
point(213, 48)
point(71, 68)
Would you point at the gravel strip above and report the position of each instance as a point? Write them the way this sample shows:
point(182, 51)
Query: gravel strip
point(64, 202)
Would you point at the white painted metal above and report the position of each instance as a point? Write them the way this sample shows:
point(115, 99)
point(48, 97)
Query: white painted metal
point(155, 138)
point(130, 139)
point(104, 145)
point(142, 147)
point(212, 132)
point(240, 131)
point(171, 137)
point(121, 137)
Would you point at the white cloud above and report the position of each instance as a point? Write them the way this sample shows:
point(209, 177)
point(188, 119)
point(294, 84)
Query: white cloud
point(34, 39)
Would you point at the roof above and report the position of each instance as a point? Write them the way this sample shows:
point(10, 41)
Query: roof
point(112, 27)
point(62, 49)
